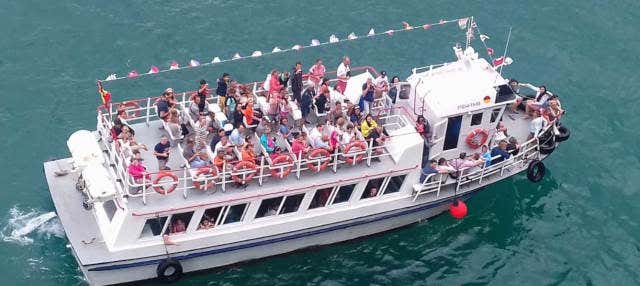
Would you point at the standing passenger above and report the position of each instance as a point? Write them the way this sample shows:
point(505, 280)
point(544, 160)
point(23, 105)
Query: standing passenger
point(342, 71)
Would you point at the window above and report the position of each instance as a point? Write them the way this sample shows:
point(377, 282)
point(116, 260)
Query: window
point(179, 223)
point(291, 204)
point(344, 193)
point(476, 119)
point(110, 209)
point(210, 218)
point(269, 207)
point(405, 89)
point(372, 188)
point(494, 114)
point(235, 213)
point(320, 198)
point(453, 133)
point(153, 226)
point(394, 185)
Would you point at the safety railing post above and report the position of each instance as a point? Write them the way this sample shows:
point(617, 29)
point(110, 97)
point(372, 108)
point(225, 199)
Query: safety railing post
point(261, 171)
point(144, 191)
point(439, 185)
point(369, 151)
point(148, 110)
point(299, 163)
point(335, 160)
point(184, 182)
point(224, 177)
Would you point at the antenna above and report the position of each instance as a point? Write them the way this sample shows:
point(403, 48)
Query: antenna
point(469, 32)
point(504, 56)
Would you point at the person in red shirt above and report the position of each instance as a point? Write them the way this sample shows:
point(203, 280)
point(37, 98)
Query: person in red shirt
point(274, 84)
point(316, 72)
point(137, 171)
point(300, 145)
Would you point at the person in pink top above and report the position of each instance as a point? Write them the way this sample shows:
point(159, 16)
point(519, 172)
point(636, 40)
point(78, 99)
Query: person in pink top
point(343, 72)
point(274, 84)
point(316, 72)
point(137, 170)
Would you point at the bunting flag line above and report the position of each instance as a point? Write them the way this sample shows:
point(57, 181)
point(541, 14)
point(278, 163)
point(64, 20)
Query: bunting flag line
point(490, 51)
point(463, 23)
point(498, 61)
point(484, 37)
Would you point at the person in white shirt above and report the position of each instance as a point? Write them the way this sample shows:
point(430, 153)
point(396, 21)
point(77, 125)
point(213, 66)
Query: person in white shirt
point(539, 101)
point(537, 124)
point(316, 137)
point(381, 84)
point(343, 70)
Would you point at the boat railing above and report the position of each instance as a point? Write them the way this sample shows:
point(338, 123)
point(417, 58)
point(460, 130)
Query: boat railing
point(528, 150)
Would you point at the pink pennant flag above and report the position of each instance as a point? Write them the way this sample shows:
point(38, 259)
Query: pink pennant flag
point(462, 23)
point(174, 65)
point(194, 63)
point(426, 26)
point(389, 32)
point(133, 73)
point(442, 21)
point(490, 51)
point(498, 61)
point(153, 69)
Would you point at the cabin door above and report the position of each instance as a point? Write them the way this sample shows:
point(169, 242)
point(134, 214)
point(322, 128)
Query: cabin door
point(453, 133)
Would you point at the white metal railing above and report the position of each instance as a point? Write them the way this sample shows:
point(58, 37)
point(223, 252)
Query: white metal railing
point(527, 151)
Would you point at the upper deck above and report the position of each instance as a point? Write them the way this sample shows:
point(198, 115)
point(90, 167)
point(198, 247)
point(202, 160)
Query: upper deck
point(400, 153)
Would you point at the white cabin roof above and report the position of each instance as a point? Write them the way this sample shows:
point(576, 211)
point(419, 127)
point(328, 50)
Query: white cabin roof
point(463, 86)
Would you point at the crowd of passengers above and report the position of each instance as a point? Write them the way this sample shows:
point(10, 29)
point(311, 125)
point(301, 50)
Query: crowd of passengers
point(543, 109)
point(337, 121)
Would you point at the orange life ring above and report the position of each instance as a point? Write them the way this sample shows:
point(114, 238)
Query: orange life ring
point(281, 171)
point(131, 105)
point(318, 154)
point(243, 166)
point(357, 158)
point(477, 138)
point(205, 171)
point(160, 189)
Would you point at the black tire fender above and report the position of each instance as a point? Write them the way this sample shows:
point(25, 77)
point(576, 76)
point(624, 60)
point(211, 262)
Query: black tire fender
point(536, 171)
point(169, 270)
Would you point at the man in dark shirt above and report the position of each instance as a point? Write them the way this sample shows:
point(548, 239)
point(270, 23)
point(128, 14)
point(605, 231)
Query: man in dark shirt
point(216, 138)
point(501, 150)
point(203, 91)
point(296, 82)
point(161, 151)
point(163, 107)
point(305, 101)
point(366, 100)
point(221, 89)
point(513, 147)
point(430, 169)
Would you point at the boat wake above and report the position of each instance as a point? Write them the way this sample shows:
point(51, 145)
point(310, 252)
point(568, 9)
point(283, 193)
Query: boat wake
point(20, 224)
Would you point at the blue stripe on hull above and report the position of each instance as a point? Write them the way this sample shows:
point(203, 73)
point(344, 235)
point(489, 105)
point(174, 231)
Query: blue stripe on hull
point(284, 238)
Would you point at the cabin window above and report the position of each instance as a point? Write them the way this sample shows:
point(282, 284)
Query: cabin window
point(291, 204)
point(269, 207)
point(320, 198)
point(344, 194)
point(179, 223)
point(153, 226)
point(405, 89)
point(372, 189)
point(494, 114)
point(235, 213)
point(476, 119)
point(210, 218)
point(394, 185)
point(110, 209)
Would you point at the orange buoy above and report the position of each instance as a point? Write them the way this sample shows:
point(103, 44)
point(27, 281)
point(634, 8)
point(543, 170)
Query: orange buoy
point(458, 209)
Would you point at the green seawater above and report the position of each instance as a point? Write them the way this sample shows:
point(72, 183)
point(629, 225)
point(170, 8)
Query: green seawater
point(579, 226)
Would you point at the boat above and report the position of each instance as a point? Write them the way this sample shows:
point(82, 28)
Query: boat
point(184, 219)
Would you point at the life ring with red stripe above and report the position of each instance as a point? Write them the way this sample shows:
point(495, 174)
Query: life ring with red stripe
point(281, 171)
point(161, 189)
point(128, 105)
point(210, 182)
point(243, 166)
point(477, 138)
point(357, 158)
point(318, 155)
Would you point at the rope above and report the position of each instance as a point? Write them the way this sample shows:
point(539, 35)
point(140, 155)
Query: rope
point(350, 37)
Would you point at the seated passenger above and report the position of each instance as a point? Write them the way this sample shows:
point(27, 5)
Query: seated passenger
point(200, 160)
point(501, 150)
point(137, 171)
point(222, 144)
point(486, 155)
point(248, 153)
point(284, 129)
point(513, 148)
point(349, 135)
point(371, 131)
point(178, 226)
point(219, 161)
point(206, 222)
point(321, 102)
point(537, 124)
point(443, 166)
point(299, 145)
point(462, 163)
point(188, 151)
point(431, 168)
point(355, 116)
point(539, 101)
point(317, 140)
point(237, 135)
point(554, 111)
point(267, 141)
point(501, 132)
point(336, 112)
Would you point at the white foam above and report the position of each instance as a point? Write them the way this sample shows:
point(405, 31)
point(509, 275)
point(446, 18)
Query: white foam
point(20, 224)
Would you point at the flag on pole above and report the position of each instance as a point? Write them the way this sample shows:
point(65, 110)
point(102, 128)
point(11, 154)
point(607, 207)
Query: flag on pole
point(484, 37)
point(174, 65)
point(462, 23)
point(498, 61)
point(153, 69)
point(490, 51)
point(104, 95)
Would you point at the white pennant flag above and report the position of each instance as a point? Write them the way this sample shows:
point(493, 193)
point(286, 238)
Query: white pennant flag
point(296, 47)
point(216, 60)
point(371, 32)
point(276, 49)
point(236, 56)
point(256, 54)
point(111, 77)
point(333, 39)
point(315, 42)
point(352, 36)
point(484, 37)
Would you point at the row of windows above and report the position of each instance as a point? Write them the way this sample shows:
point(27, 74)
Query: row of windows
point(476, 119)
point(270, 207)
